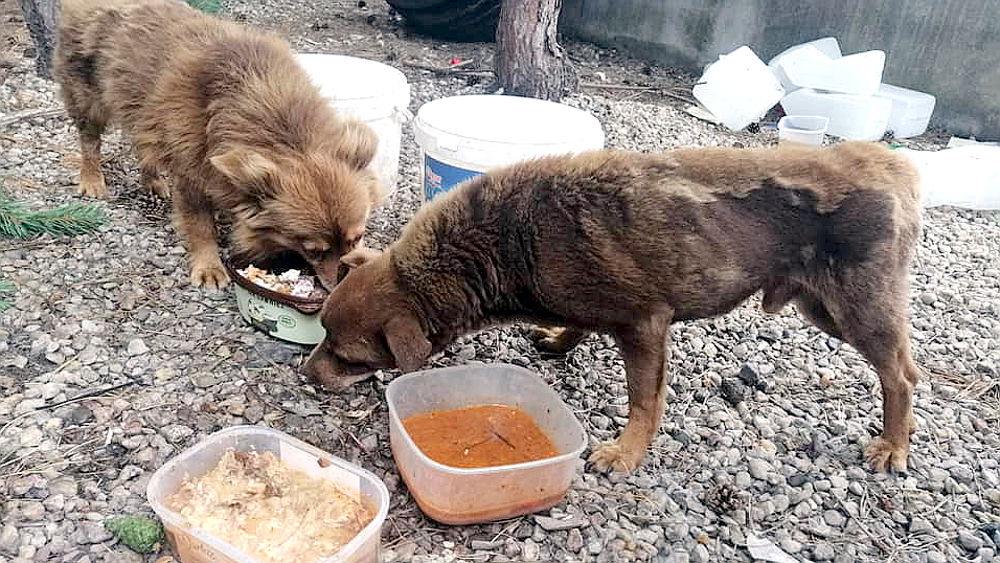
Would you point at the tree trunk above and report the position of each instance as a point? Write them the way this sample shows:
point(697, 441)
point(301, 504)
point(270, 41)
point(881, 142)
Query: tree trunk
point(42, 18)
point(529, 60)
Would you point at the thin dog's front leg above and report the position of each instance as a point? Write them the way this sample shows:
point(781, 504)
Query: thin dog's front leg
point(646, 349)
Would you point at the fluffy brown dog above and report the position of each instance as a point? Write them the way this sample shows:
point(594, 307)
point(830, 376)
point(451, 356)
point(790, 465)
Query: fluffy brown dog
point(230, 116)
point(628, 243)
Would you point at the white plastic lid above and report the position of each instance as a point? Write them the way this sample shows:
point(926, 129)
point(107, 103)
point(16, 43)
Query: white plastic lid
point(355, 82)
point(490, 129)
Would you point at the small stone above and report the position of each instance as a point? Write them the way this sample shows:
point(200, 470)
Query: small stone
point(203, 380)
point(9, 540)
point(919, 525)
point(758, 468)
point(732, 390)
point(79, 415)
point(530, 550)
point(834, 518)
point(32, 510)
point(700, 554)
point(483, 545)
point(175, 433)
point(936, 557)
point(93, 532)
point(65, 486)
point(574, 542)
point(556, 524)
point(742, 480)
point(969, 540)
point(136, 347)
point(824, 552)
point(838, 482)
point(791, 546)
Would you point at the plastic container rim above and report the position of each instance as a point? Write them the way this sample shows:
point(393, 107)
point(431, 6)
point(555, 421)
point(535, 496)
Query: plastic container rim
point(394, 416)
point(227, 549)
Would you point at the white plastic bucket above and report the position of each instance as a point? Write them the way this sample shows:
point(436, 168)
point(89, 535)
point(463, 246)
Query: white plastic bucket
point(463, 136)
point(802, 129)
point(369, 91)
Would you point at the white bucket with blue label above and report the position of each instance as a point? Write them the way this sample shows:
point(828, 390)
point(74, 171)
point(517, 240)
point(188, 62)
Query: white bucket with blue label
point(464, 136)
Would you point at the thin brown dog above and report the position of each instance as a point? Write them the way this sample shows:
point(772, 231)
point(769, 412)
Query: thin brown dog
point(230, 117)
point(629, 243)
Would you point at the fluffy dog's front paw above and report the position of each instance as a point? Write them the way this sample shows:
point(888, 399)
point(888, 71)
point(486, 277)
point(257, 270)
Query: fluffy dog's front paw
point(612, 456)
point(93, 186)
point(209, 274)
point(883, 455)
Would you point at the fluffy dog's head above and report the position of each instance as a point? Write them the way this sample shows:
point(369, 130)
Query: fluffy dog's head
point(370, 324)
point(315, 202)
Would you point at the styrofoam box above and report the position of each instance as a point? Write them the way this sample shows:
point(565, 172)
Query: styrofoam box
point(738, 88)
point(855, 118)
point(911, 110)
point(826, 46)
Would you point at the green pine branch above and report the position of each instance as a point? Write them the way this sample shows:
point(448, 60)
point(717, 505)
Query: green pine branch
point(17, 221)
point(207, 6)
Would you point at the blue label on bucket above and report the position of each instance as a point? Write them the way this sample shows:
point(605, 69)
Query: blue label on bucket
point(440, 177)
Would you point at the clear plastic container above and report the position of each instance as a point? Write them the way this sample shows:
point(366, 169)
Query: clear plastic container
point(911, 110)
point(802, 129)
point(855, 118)
point(454, 495)
point(195, 546)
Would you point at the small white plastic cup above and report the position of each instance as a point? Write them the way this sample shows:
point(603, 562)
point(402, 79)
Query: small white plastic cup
point(802, 129)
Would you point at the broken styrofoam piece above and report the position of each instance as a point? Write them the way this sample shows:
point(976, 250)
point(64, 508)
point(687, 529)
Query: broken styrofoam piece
point(800, 54)
point(738, 88)
point(911, 110)
point(764, 549)
point(829, 46)
point(967, 176)
point(859, 74)
point(855, 118)
point(962, 142)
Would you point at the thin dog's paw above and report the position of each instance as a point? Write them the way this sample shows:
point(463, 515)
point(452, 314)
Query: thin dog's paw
point(93, 186)
point(884, 456)
point(612, 456)
point(553, 340)
point(209, 275)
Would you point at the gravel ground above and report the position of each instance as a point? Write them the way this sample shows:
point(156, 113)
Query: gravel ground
point(111, 315)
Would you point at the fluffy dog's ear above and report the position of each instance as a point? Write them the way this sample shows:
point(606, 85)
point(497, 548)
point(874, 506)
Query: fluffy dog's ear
point(357, 144)
point(407, 342)
point(244, 166)
point(359, 256)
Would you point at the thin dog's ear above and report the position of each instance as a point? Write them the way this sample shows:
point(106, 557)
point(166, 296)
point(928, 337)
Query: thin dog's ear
point(243, 166)
point(359, 256)
point(357, 144)
point(407, 342)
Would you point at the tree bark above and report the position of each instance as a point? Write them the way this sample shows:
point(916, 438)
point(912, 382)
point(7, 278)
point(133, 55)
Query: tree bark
point(529, 60)
point(42, 19)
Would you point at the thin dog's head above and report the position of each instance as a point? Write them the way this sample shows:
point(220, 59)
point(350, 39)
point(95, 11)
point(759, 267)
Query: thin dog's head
point(315, 202)
point(370, 324)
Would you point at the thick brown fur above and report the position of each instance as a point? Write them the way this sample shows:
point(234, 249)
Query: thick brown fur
point(629, 243)
point(230, 117)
